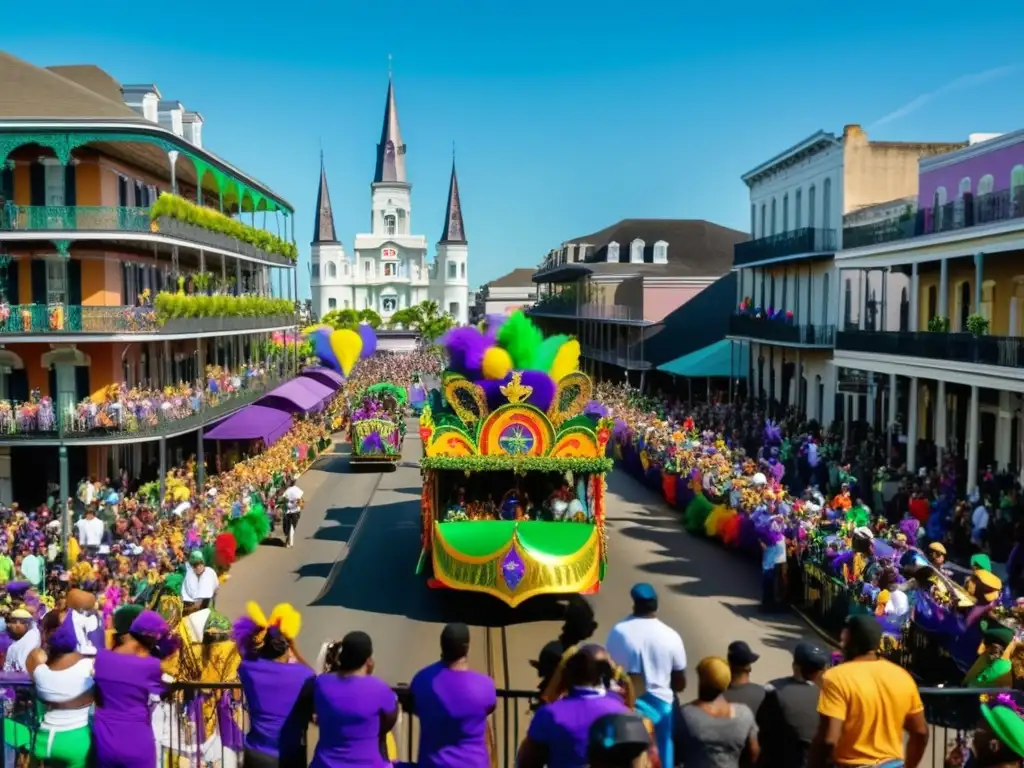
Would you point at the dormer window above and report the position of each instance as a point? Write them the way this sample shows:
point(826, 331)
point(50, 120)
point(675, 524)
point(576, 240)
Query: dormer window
point(636, 251)
point(389, 224)
point(612, 255)
point(661, 252)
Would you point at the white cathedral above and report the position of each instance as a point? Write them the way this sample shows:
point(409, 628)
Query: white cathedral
point(390, 270)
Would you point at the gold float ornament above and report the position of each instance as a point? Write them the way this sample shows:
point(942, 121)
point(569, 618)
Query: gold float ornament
point(449, 441)
point(575, 443)
point(516, 430)
point(515, 391)
point(572, 394)
point(466, 399)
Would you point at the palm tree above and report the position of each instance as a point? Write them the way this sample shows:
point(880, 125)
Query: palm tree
point(426, 318)
point(350, 318)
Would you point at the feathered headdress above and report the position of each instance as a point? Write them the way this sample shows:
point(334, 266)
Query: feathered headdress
point(250, 631)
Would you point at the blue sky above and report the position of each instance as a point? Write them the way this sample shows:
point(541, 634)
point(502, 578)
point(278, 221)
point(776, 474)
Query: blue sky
point(567, 116)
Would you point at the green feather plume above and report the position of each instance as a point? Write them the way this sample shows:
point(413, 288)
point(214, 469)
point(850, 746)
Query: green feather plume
point(521, 339)
point(259, 521)
point(544, 355)
point(245, 537)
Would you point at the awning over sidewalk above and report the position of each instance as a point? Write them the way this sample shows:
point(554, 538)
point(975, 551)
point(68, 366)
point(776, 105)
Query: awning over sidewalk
point(326, 376)
point(254, 422)
point(722, 359)
point(296, 396)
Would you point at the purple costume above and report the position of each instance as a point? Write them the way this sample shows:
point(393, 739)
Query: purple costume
point(122, 724)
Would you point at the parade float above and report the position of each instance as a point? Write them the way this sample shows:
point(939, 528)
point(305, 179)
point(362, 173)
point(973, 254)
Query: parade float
point(378, 424)
point(513, 499)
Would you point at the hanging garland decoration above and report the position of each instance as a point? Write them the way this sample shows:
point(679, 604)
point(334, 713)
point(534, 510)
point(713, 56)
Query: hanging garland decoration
point(518, 464)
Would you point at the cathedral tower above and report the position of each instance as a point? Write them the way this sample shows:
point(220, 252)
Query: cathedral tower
point(453, 258)
point(330, 272)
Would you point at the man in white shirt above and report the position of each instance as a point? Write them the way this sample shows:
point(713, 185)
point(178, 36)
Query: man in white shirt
point(200, 584)
point(652, 654)
point(979, 524)
point(293, 506)
point(90, 531)
point(22, 627)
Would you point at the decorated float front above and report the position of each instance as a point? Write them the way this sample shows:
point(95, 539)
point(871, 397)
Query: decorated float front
point(378, 424)
point(513, 467)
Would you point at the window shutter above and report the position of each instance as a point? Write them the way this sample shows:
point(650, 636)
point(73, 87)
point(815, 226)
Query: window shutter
point(7, 183)
point(17, 385)
point(38, 281)
point(74, 282)
point(12, 288)
point(53, 383)
point(122, 191)
point(81, 382)
point(70, 193)
point(37, 184)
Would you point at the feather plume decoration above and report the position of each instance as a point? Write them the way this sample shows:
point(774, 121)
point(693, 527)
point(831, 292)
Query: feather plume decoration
point(254, 612)
point(543, 389)
point(544, 356)
point(225, 550)
point(520, 338)
point(466, 347)
point(567, 360)
point(287, 620)
point(259, 521)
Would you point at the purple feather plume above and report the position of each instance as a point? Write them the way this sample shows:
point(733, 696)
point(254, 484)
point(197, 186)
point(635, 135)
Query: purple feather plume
point(466, 347)
point(242, 632)
point(543, 389)
point(595, 409)
point(909, 527)
point(64, 639)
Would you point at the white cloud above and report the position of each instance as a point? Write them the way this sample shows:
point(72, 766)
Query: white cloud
point(960, 84)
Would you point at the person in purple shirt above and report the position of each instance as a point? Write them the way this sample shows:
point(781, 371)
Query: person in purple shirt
point(278, 687)
point(354, 710)
point(453, 703)
point(558, 733)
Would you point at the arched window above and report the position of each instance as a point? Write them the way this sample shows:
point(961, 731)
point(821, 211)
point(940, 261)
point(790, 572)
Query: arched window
point(462, 271)
point(812, 193)
point(773, 215)
point(966, 302)
point(848, 305)
point(661, 252)
point(332, 303)
point(826, 205)
point(389, 225)
point(332, 271)
point(904, 310)
point(939, 215)
point(636, 251)
point(785, 213)
point(985, 184)
point(798, 202)
point(1017, 189)
point(764, 231)
point(452, 270)
point(824, 298)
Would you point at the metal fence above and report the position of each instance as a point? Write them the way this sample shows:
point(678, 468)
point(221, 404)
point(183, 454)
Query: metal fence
point(187, 710)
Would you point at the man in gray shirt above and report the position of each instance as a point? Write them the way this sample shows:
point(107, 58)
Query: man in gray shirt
point(788, 717)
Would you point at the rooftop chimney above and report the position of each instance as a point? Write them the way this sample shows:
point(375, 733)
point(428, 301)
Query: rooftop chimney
point(144, 99)
point(192, 122)
point(171, 113)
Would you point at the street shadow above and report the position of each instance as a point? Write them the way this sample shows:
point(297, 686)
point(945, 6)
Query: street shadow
point(313, 571)
point(378, 575)
point(415, 490)
point(332, 463)
point(344, 521)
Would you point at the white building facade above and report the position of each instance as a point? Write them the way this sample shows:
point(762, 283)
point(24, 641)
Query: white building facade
point(389, 270)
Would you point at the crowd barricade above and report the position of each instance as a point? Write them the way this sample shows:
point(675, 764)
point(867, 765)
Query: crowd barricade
point(952, 713)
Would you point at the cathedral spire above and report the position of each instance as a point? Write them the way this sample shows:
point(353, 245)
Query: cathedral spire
point(390, 150)
point(323, 225)
point(454, 229)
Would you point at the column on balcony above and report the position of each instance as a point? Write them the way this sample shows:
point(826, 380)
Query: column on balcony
point(163, 467)
point(890, 427)
point(828, 408)
point(1004, 431)
point(172, 156)
point(755, 375)
point(915, 287)
point(862, 297)
point(912, 425)
point(811, 405)
point(973, 437)
point(944, 288)
point(796, 389)
point(200, 463)
point(979, 261)
point(941, 407)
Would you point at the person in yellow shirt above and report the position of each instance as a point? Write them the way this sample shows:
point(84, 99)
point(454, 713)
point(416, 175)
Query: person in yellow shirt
point(866, 704)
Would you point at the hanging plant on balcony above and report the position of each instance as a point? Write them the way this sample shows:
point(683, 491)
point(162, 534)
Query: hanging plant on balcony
point(26, 319)
point(938, 325)
point(5, 312)
point(977, 324)
point(56, 314)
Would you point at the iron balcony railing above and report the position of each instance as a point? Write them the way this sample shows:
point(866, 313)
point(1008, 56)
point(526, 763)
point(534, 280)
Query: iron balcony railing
point(971, 211)
point(798, 242)
point(613, 312)
point(781, 331)
point(21, 319)
point(1002, 351)
point(130, 417)
point(121, 219)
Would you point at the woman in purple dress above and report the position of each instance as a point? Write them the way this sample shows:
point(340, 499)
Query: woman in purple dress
point(127, 678)
point(354, 710)
point(278, 687)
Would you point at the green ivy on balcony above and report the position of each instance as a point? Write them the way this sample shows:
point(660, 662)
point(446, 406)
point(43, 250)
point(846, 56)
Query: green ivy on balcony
point(180, 209)
point(171, 306)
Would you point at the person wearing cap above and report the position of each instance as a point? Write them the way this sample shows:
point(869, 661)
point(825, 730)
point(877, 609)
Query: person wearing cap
point(936, 554)
point(200, 584)
point(712, 731)
point(741, 690)
point(866, 705)
point(788, 717)
point(999, 739)
point(355, 711)
point(618, 741)
point(993, 668)
point(653, 655)
point(452, 703)
point(21, 626)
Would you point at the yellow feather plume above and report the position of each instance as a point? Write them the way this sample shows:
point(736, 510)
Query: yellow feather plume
point(497, 364)
point(288, 620)
point(567, 360)
point(256, 614)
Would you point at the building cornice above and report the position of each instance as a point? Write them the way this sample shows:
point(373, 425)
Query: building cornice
point(812, 145)
point(679, 282)
point(10, 125)
point(971, 151)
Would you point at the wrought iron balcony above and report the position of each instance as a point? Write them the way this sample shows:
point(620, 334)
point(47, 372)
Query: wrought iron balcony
point(123, 421)
point(798, 242)
point(59, 319)
point(971, 211)
point(1002, 351)
point(557, 307)
point(52, 219)
point(782, 332)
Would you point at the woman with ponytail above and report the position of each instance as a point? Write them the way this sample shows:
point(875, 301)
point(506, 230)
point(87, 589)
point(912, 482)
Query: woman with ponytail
point(354, 710)
point(127, 678)
point(278, 687)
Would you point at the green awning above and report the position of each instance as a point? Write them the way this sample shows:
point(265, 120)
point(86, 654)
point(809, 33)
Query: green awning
point(722, 359)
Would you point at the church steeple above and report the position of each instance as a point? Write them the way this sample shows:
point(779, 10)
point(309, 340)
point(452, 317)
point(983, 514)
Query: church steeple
point(323, 225)
point(390, 150)
point(454, 229)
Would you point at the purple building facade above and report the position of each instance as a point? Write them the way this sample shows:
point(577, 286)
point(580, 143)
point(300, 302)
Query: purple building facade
point(985, 168)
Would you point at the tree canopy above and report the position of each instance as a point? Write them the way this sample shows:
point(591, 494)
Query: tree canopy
point(426, 318)
point(350, 318)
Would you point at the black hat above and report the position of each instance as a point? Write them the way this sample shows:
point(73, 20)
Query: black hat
point(810, 656)
point(617, 738)
point(740, 655)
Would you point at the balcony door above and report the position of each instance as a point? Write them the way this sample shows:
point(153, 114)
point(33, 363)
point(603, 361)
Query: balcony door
point(56, 288)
